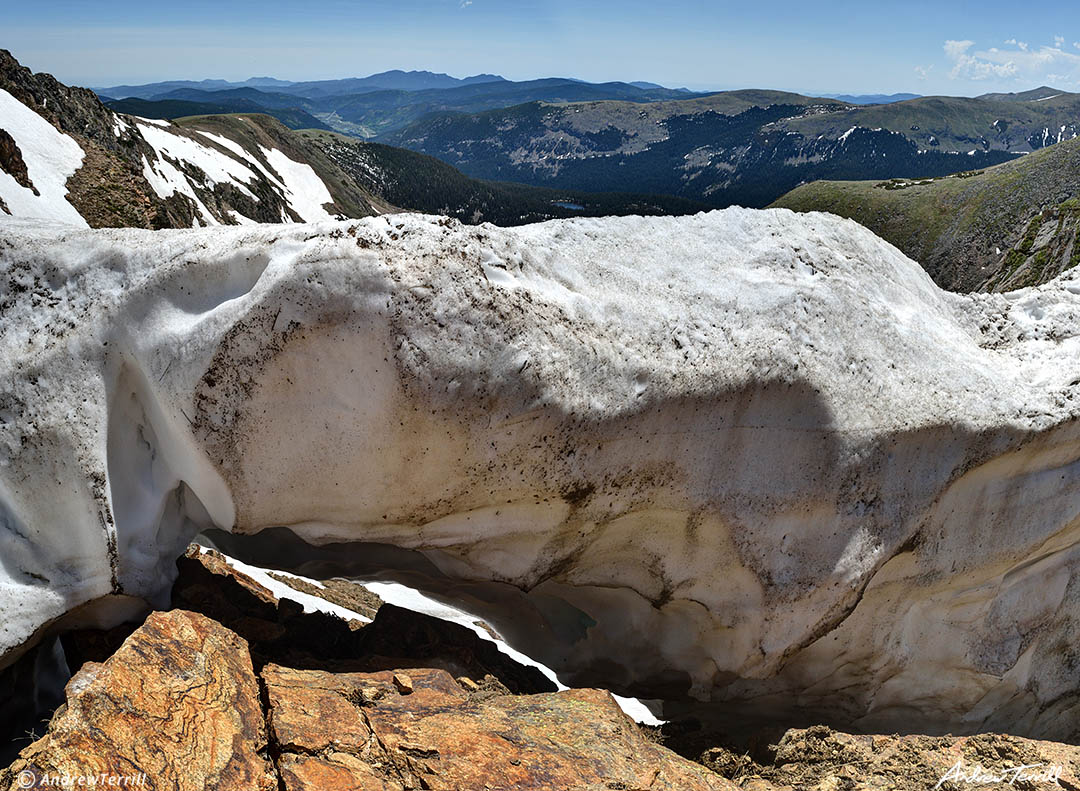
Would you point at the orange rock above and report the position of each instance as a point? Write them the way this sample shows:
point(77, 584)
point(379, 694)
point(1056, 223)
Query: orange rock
point(439, 736)
point(178, 703)
point(311, 711)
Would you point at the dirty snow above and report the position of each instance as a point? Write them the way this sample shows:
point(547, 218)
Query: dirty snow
point(756, 450)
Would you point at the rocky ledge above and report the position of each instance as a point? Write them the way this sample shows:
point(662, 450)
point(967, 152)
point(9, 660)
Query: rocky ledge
point(187, 703)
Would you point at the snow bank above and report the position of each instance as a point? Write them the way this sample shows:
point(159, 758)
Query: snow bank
point(51, 158)
point(755, 458)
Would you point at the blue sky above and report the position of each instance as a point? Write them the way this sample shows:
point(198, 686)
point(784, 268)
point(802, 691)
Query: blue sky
point(945, 47)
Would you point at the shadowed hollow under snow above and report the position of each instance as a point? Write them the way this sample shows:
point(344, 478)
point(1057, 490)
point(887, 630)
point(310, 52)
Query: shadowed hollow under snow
point(751, 457)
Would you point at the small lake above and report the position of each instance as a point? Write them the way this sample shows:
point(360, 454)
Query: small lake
point(565, 205)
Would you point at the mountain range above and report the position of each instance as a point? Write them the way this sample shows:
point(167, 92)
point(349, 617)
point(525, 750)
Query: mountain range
point(957, 183)
point(394, 80)
point(739, 147)
point(378, 105)
point(65, 155)
point(745, 147)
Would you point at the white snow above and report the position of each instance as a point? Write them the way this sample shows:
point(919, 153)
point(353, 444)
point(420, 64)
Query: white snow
point(166, 180)
point(283, 591)
point(305, 191)
point(697, 443)
point(219, 168)
point(225, 142)
point(51, 158)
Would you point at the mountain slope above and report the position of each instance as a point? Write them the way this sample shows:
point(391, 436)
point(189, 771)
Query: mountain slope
point(740, 147)
point(1006, 227)
point(422, 183)
point(64, 155)
point(953, 124)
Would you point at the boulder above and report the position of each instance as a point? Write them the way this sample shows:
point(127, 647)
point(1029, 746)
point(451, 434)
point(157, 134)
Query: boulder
point(749, 458)
point(177, 706)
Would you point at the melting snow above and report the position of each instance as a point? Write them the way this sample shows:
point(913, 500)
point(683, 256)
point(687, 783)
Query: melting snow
point(51, 158)
point(219, 168)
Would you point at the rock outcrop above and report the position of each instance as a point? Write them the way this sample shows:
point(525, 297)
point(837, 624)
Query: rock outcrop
point(749, 458)
point(825, 760)
point(178, 706)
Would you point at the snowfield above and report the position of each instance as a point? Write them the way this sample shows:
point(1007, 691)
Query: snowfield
point(748, 457)
point(51, 158)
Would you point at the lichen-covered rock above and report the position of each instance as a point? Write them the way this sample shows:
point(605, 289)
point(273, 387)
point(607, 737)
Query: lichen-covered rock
point(177, 706)
point(364, 731)
point(749, 458)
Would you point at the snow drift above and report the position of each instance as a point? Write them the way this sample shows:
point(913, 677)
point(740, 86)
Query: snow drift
point(749, 457)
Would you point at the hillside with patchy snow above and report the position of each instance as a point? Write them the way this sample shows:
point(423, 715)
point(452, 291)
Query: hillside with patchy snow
point(755, 458)
point(65, 156)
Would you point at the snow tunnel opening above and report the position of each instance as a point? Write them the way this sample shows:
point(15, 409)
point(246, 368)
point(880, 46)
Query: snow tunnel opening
point(535, 629)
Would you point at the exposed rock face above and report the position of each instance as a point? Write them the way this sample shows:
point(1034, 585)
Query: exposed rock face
point(363, 730)
point(12, 163)
point(178, 704)
point(754, 458)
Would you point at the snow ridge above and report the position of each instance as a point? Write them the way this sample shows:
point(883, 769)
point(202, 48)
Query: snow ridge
point(752, 455)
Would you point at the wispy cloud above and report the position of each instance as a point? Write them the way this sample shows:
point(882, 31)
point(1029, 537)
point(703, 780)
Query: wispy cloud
point(922, 72)
point(1017, 62)
point(466, 3)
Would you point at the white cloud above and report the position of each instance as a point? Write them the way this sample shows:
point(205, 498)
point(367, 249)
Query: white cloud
point(1018, 63)
point(466, 3)
point(956, 49)
point(923, 71)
